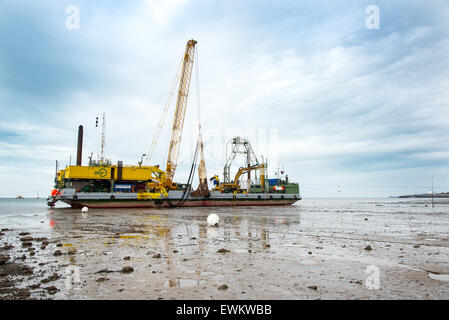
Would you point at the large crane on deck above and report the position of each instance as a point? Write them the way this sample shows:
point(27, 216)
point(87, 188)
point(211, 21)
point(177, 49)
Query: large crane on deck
point(180, 111)
point(165, 182)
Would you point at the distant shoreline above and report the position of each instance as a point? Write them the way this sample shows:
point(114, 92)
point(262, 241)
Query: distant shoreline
point(426, 195)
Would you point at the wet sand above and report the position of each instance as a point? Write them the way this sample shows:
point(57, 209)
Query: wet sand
point(316, 249)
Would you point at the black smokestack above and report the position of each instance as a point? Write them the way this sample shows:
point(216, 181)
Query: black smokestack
point(79, 152)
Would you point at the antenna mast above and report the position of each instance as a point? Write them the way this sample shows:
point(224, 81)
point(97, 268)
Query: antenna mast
point(103, 138)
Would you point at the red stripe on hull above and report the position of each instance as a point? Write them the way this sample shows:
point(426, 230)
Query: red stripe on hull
point(204, 203)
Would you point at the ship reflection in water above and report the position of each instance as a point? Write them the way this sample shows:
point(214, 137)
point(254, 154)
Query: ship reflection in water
point(169, 248)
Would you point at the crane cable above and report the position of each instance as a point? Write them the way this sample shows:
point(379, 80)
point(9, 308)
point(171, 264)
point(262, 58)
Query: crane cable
point(197, 69)
point(164, 114)
point(186, 193)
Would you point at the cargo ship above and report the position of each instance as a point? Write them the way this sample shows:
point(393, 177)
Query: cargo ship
point(101, 184)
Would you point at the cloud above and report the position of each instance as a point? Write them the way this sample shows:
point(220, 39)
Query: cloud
point(163, 12)
point(343, 99)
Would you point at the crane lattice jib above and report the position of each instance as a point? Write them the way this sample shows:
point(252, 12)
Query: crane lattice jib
point(181, 104)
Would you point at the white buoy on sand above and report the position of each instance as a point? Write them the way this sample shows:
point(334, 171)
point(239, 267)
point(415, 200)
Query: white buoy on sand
point(84, 210)
point(213, 219)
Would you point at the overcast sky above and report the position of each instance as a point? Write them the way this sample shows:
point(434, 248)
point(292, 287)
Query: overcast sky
point(315, 90)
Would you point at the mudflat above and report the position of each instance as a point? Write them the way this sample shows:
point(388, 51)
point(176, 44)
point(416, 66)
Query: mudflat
point(315, 249)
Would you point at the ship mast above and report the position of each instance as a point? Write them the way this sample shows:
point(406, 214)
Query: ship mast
point(103, 139)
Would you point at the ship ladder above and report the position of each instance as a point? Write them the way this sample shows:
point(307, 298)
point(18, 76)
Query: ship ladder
point(51, 203)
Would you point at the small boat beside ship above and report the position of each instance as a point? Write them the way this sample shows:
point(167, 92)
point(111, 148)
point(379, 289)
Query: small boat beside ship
point(101, 184)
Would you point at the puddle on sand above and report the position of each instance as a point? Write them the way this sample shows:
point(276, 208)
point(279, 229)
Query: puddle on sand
point(437, 276)
point(308, 262)
point(183, 283)
point(240, 250)
point(201, 273)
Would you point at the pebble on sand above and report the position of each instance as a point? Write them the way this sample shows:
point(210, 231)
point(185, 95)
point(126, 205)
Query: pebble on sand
point(223, 250)
point(57, 253)
point(368, 247)
point(313, 287)
point(53, 277)
point(35, 286)
point(127, 269)
point(223, 287)
point(52, 289)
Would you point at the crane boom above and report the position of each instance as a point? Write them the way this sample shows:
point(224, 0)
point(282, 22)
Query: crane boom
point(181, 104)
point(246, 169)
